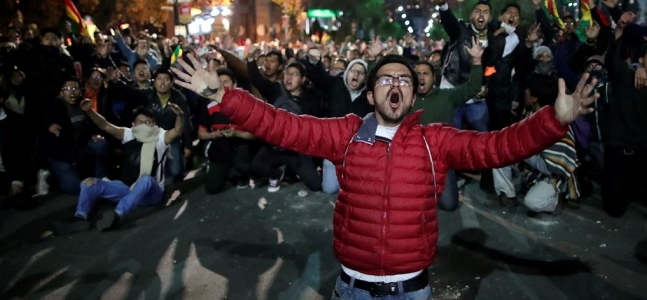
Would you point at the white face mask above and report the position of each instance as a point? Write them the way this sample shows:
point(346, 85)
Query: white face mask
point(144, 133)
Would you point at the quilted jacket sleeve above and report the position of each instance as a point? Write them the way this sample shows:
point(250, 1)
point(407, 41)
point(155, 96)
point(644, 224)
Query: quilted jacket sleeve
point(325, 138)
point(471, 150)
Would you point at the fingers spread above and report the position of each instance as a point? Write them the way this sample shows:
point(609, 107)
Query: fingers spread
point(181, 74)
point(194, 61)
point(589, 88)
point(184, 85)
point(562, 87)
point(581, 85)
point(188, 69)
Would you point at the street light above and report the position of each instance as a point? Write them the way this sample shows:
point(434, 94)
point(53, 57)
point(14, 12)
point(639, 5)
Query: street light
point(226, 12)
point(406, 22)
point(404, 16)
point(400, 8)
point(215, 12)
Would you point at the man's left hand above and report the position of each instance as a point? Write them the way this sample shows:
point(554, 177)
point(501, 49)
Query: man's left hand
point(570, 107)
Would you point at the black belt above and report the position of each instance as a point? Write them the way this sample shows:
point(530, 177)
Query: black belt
point(381, 289)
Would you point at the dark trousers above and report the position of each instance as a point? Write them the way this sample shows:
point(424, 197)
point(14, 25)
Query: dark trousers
point(218, 172)
point(268, 161)
point(449, 199)
point(623, 172)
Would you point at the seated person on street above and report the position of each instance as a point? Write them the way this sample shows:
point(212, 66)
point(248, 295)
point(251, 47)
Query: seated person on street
point(72, 140)
point(145, 148)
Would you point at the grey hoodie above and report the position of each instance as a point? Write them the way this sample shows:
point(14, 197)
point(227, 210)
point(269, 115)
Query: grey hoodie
point(355, 93)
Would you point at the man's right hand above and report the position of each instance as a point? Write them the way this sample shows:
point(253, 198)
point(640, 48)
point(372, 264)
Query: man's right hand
point(55, 129)
point(86, 105)
point(199, 80)
point(537, 3)
point(593, 31)
point(476, 50)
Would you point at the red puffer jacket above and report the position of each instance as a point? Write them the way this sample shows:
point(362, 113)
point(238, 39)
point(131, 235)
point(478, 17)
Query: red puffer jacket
point(385, 216)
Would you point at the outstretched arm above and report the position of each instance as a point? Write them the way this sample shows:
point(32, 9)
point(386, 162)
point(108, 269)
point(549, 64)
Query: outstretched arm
point(471, 150)
point(101, 122)
point(324, 138)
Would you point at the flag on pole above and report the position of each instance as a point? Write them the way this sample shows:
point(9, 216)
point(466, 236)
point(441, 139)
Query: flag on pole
point(73, 15)
point(176, 54)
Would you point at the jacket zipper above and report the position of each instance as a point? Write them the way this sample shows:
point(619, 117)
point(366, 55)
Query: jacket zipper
point(386, 202)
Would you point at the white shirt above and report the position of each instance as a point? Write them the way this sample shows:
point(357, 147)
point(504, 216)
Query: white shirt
point(160, 148)
point(386, 132)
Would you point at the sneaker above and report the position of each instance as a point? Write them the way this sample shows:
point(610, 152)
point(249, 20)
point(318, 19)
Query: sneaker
point(275, 184)
point(42, 188)
point(108, 221)
point(242, 184)
point(74, 225)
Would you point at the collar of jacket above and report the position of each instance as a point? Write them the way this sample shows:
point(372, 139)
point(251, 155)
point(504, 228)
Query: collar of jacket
point(366, 132)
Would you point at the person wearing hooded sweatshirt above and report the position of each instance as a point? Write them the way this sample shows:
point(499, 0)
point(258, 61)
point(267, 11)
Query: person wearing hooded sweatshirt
point(439, 105)
point(142, 184)
point(345, 94)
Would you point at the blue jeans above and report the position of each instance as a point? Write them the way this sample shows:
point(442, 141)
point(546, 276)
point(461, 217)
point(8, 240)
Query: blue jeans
point(146, 192)
point(175, 170)
point(329, 184)
point(344, 291)
point(449, 199)
point(475, 113)
point(67, 178)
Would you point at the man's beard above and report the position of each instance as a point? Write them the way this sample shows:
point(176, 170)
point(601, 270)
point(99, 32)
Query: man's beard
point(385, 115)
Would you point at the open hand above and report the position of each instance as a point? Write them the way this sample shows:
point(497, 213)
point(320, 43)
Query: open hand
point(376, 47)
point(533, 33)
point(570, 107)
point(199, 80)
point(640, 78)
point(476, 51)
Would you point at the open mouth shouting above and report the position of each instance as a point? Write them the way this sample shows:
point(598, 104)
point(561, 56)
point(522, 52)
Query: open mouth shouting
point(511, 21)
point(395, 98)
point(480, 22)
point(421, 86)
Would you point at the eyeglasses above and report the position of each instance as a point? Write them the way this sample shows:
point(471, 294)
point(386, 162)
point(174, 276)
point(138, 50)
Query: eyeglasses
point(357, 72)
point(70, 88)
point(145, 122)
point(97, 77)
point(292, 75)
point(594, 67)
point(385, 80)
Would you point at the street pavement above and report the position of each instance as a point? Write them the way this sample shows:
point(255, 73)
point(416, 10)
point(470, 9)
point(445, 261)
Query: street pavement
point(250, 244)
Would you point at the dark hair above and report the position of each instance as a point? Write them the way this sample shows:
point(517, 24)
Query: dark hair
point(544, 88)
point(342, 59)
point(262, 55)
point(482, 2)
point(390, 59)
point(436, 51)
point(511, 5)
point(328, 57)
point(125, 64)
point(568, 17)
point(144, 111)
point(140, 62)
point(277, 54)
point(299, 66)
point(227, 72)
point(71, 79)
point(428, 64)
point(52, 31)
point(163, 71)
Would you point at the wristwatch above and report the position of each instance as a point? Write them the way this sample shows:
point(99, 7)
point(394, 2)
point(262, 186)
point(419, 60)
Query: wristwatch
point(208, 92)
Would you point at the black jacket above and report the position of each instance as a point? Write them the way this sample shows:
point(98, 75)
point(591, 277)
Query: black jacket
point(627, 110)
point(66, 146)
point(457, 61)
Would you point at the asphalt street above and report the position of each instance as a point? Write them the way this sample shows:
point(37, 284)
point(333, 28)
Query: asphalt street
point(250, 244)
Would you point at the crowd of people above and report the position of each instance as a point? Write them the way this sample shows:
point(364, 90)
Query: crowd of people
point(119, 117)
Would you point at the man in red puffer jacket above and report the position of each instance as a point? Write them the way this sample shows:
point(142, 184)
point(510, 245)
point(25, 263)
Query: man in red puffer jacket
point(391, 168)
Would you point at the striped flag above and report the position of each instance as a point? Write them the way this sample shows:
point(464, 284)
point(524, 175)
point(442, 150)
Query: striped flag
point(73, 15)
point(553, 12)
point(585, 21)
point(176, 54)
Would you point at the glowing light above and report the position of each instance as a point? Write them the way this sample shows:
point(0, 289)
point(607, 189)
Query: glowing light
point(226, 12)
point(404, 16)
point(215, 12)
point(400, 8)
